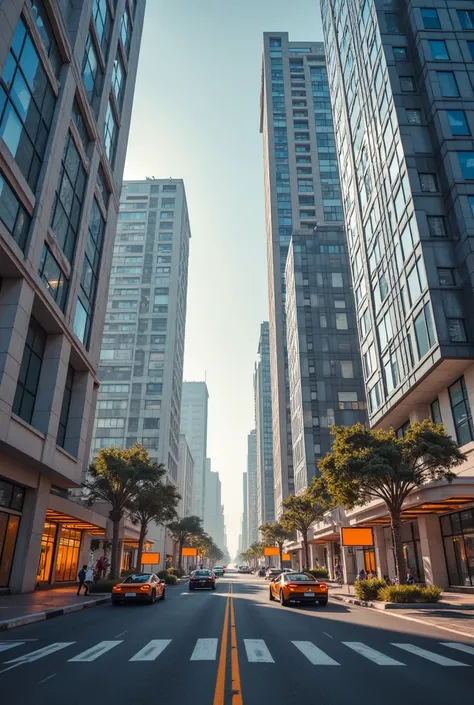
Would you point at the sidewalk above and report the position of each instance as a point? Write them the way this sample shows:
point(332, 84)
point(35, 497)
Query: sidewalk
point(17, 610)
point(453, 613)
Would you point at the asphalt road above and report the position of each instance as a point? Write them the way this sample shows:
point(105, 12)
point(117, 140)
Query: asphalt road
point(233, 647)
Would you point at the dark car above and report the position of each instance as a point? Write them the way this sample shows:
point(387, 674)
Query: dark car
point(202, 579)
point(140, 587)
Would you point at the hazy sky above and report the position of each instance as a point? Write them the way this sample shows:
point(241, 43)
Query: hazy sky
point(196, 117)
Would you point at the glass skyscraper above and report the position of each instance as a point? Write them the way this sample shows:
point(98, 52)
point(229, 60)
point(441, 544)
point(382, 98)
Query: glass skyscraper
point(263, 425)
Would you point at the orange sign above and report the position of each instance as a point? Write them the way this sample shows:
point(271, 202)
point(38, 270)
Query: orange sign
point(150, 558)
point(286, 556)
point(271, 551)
point(189, 551)
point(356, 537)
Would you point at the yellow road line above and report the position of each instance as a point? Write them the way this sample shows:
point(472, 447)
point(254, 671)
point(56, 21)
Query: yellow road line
point(219, 692)
point(236, 688)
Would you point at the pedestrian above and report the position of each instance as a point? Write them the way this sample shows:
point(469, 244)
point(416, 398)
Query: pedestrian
point(89, 580)
point(362, 575)
point(82, 579)
point(410, 577)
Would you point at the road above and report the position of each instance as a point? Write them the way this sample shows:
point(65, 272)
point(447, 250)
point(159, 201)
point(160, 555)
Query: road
point(233, 647)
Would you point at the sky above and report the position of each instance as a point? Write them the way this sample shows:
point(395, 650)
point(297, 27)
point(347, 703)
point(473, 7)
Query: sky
point(196, 117)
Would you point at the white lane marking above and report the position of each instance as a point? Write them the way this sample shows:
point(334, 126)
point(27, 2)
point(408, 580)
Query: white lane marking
point(121, 634)
point(48, 678)
point(331, 637)
point(95, 651)
point(41, 653)
point(205, 650)
point(5, 645)
point(257, 651)
point(315, 655)
point(152, 650)
point(459, 647)
point(429, 655)
point(372, 654)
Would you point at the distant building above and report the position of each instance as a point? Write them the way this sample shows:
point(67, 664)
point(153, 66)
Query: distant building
point(263, 424)
point(244, 533)
point(252, 514)
point(185, 478)
point(214, 510)
point(194, 406)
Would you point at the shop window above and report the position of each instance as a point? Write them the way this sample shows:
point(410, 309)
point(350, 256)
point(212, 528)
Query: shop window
point(48, 540)
point(458, 538)
point(68, 555)
point(9, 524)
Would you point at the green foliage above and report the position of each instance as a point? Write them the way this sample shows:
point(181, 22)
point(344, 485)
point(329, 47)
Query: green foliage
point(103, 586)
point(126, 573)
point(183, 530)
point(163, 574)
point(179, 572)
point(171, 579)
point(410, 594)
point(319, 573)
point(299, 512)
point(369, 589)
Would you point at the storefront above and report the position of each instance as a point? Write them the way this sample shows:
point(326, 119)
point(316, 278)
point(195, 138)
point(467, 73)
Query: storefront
point(458, 538)
point(412, 550)
point(60, 547)
point(11, 506)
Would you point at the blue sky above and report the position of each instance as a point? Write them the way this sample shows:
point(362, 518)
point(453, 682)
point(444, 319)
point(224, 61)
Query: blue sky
point(196, 117)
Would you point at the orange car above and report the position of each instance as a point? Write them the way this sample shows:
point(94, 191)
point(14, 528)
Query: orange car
point(140, 587)
point(298, 587)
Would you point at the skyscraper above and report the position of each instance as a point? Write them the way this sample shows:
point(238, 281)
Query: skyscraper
point(67, 79)
point(185, 478)
point(301, 190)
point(194, 406)
point(252, 513)
point(263, 424)
point(214, 514)
point(403, 108)
point(244, 533)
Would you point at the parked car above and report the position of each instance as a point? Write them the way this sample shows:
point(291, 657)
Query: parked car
point(298, 587)
point(272, 573)
point(139, 587)
point(202, 578)
point(261, 572)
point(219, 571)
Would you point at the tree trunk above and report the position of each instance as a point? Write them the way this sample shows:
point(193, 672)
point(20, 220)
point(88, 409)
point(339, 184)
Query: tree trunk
point(141, 543)
point(280, 551)
point(400, 564)
point(115, 517)
point(180, 557)
point(305, 551)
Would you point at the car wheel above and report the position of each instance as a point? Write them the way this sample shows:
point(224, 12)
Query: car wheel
point(115, 603)
point(270, 594)
point(152, 599)
point(323, 603)
point(163, 594)
point(283, 602)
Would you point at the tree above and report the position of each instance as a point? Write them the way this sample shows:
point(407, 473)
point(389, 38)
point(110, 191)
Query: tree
point(374, 464)
point(255, 551)
point(275, 535)
point(299, 512)
point(182, 530)
point(156, 501)
point(116, 477)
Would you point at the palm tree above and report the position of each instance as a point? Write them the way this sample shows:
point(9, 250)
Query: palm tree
point(274, 534)
point(182, 530)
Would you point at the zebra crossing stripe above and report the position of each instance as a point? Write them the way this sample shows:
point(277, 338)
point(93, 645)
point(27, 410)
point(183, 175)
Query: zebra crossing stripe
point(94, 652)
point(257, 651)
point(41, 653)
point(313, 654)
point(459, 647)
point(429, 655)
point(205, 650)
point(5, 645)
point(152, 650)
point(373, 655)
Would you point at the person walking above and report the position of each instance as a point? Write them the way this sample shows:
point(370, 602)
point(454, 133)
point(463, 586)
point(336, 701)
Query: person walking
point(88, 580)
point(82, 579)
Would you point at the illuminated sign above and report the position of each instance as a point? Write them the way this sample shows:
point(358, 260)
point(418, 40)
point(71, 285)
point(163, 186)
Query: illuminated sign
point(356, 537)
point(150, 558)
point(189, 551)
point(271, 551)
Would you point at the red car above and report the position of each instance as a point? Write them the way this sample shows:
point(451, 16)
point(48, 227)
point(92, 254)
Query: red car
point(202, 579)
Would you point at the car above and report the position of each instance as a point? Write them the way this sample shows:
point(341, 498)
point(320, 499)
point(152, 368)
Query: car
point(219, 570)
point(139, 587)
point(261, 572)
point(272, 573)
point(298, 587)
point(202, 578)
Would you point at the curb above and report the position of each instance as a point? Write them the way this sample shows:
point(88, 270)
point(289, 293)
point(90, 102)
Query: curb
point(404, 606)
point(50, 614)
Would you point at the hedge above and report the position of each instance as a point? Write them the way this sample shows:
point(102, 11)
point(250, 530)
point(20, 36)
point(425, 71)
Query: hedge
point(410, 593)
point(103, 585)
point(319, 573)
point(369, 589)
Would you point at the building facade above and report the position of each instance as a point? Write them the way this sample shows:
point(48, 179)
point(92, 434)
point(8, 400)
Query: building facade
point(214, 515)
point(403, 101)
point(252, 514)
point(185, 478)
point(326, 383)
point(263, 426)
point(194, 406)
point(67, 78)
point(244, 533)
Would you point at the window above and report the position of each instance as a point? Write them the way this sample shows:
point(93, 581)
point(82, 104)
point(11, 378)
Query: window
point(336, 280)
point(424, 331)
point(385, 330)
point(414, 117)
point(407, 84)
point(399, 53)
point(370, 361)
point(439, 51)
point(365, 323)
point(416, 279)
point(466, 161)
point(103, 24)
point(428, 183)
point(435, 412)
point(466, 19)
point(456, 330)
point(374, 397)
point(68, 200)
point(341, 321)
point(105, 193)
point(430, 18)
point(43, 26)
point(390, 369)
point(446, 276)
point(470, 46)
point(78, 120)
point(393, 23)
point(151, 423)
point(118, 80)
point(63, 419)
point(436, 226)
point(13, 215)
point(26, 105)
point(461, 412)
point(347, 369)
point(110, 134)
point(125, 32)
point(53, 277)
point(471, 203)
point(457, 122)
point(91, 71)
point(28, 379)
point(153, 389)
point(447, 84)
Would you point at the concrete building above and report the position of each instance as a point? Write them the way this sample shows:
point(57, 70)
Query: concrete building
point(252, 514)
point(214, 510)
point(326, 383)
point(68, 74)
point(244, 532)
point(403, 103)
point(185, 478)
point(194, 405)
point(263, 426)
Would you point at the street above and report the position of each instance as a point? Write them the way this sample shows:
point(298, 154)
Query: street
point(232, 647)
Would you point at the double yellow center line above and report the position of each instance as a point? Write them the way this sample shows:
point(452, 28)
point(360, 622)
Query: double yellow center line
point(220, 691)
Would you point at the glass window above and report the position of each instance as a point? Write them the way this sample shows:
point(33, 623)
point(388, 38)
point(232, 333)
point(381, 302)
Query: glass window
point(466, 18)
point(43, 26)
point(414, 117)
point(91, 72)
point(471, 203)
point(424, 331)
point(457, 122)
point(470, 46)
point(118, 80)
point(461, 411)
point(28, 379)
point(430, 18)
point(26, 105)
point(103, 24)
point(456, 330)
point(446, 276)
point(63, 419)
point(435, 410)
point(126, 32)
point(428, 183)
point(103, 188)
point(78, 120)
point(110, 134)
point(416, 280)
point(347, 369)
point(439, 50)
point(466, 161)
point(68, 555)
point(336, 279)
point(447, 83)
point(53, 277)
point(8, 531)
point(399, 53)
point(13, 215)
point(407, 84)
point(341, 321)
point(394, 25)
point(68, 199)
point(436, 226)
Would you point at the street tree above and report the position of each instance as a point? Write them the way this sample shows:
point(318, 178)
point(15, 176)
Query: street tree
point(116, 477)
point(182, 530)
point(299, 513)
point(374, 464)
point(255, 551)
point(275, 535)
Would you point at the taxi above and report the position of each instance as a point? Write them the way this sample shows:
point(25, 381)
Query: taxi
point(139, 587)
point(298, 587)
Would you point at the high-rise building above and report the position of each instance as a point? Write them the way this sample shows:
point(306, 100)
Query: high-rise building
point(252, 514)
point(263, 425)
point(194, 404)
point(67, 79)
point(214, 510)
point(326, 384)
point(185, 478)
point(244, 533)
point(402, 96)
point(301, 190)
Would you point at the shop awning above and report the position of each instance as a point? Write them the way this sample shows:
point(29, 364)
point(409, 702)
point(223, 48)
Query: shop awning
point(75, 516)
point(133, 543)
point(450, 504)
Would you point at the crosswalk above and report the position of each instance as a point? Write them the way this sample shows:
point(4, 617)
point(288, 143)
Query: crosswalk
point(254, 651)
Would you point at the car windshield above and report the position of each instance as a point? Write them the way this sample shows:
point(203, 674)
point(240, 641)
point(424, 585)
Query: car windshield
point(143, 578)
point(202, 573)
point(300, 578)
